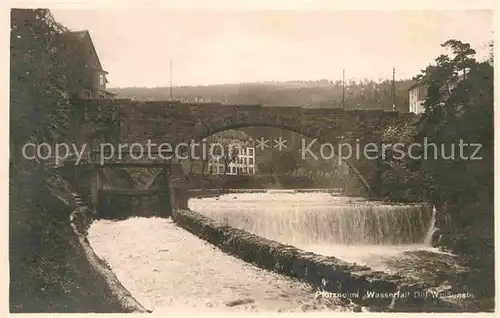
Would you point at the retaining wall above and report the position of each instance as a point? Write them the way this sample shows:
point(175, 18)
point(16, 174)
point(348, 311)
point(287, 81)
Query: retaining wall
point(326, 273)
point(80, 220)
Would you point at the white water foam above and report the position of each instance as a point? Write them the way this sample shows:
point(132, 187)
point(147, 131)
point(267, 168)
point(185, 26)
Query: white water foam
point(349, 228)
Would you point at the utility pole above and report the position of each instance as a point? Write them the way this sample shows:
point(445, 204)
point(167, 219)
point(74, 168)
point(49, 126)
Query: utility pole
point(171, 91)
point(343, 88)
point(393, 88)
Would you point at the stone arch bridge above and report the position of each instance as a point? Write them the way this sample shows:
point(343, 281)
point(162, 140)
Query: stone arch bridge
point(128, 122)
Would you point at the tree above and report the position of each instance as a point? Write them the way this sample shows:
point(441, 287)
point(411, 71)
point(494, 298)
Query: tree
point(48, 269)
point(34, 98)
point(443, 77)
point(459, 106)
point(459, 100)
point(41, 73)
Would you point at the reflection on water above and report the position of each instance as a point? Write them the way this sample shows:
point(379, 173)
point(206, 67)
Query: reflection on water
point(353, 229)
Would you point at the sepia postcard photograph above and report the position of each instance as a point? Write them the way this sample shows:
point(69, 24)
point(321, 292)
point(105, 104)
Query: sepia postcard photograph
point(172, 160)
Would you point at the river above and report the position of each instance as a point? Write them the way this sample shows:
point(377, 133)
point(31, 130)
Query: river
point(168, 269)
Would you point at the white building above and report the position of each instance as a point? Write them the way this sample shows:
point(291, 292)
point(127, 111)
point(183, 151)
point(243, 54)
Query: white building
point(417, 95)
point(243, 164)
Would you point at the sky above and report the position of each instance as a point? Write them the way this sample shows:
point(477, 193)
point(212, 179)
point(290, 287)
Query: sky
point(229, 46)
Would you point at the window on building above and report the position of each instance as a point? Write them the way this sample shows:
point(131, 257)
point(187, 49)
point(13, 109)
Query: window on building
point(250, 170)
point(250, 161)
point(250, 151)
point(102, 80)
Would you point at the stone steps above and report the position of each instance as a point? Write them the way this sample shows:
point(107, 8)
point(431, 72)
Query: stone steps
point(80, 201)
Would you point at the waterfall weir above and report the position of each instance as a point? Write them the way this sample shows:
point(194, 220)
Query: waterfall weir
point(320, 218)
point(353, 229)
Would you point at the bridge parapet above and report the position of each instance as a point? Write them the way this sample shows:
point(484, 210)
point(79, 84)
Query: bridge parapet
point(176, 122)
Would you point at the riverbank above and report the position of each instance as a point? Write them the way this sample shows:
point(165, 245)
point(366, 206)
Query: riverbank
point(49, 270)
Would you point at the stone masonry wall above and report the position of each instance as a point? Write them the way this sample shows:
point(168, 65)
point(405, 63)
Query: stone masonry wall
point(327, 273)
point(166, 122)
point(80, 221)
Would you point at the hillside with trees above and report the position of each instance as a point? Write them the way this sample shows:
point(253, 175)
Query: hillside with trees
point(366, 94)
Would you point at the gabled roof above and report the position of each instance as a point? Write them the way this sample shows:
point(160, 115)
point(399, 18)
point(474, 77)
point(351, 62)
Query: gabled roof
point(418, 83)
point(85, 37)
point(80, 34)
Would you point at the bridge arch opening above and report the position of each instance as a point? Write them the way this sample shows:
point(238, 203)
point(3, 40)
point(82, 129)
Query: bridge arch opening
point(304, 132)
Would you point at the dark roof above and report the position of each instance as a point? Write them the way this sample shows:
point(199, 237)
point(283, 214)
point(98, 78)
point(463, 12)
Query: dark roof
point(80, 34)
point(416, 84)
point(85, 36)
point(108, 92)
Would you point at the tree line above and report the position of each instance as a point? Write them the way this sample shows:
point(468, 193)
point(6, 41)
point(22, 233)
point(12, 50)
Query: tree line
point(363, 94)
